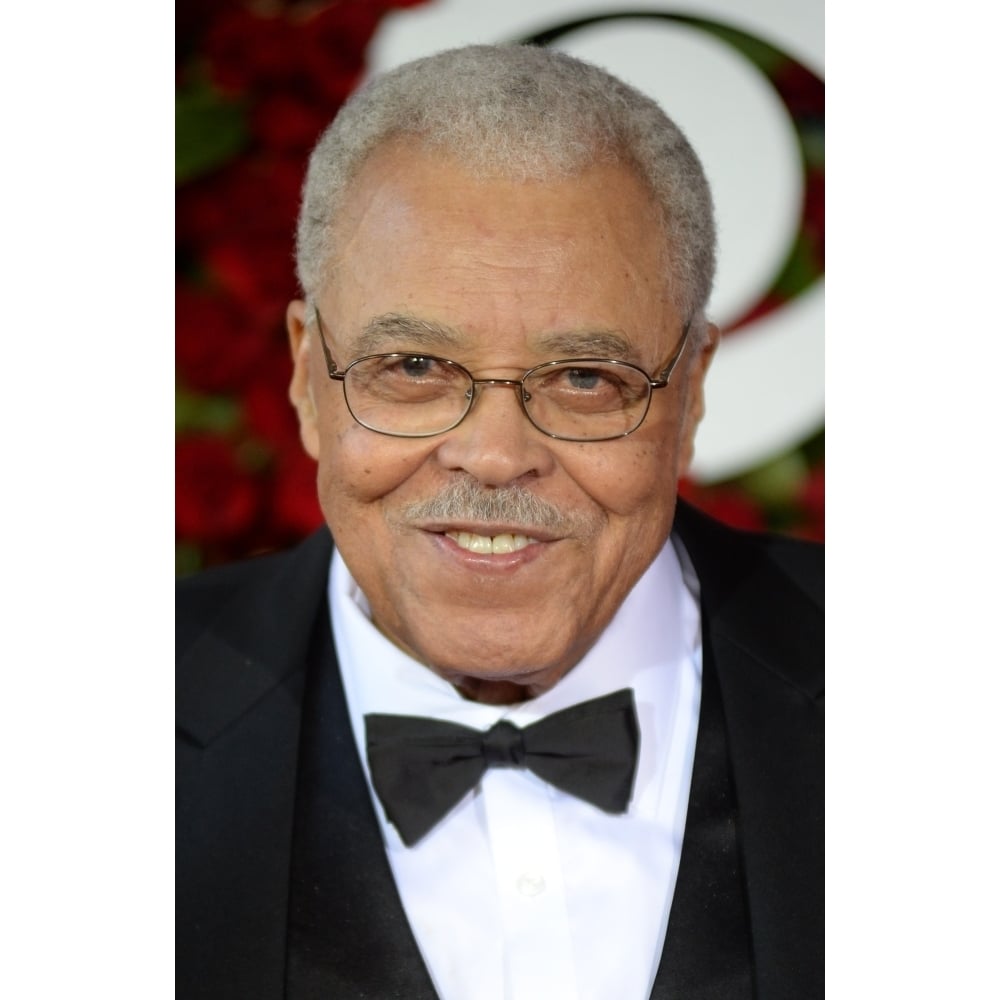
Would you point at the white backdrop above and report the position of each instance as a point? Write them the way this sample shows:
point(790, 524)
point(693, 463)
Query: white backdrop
point(765, 390)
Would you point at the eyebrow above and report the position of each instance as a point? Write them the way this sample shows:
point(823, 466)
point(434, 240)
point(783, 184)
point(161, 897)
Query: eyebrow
point(391, 329)
point(588, 344)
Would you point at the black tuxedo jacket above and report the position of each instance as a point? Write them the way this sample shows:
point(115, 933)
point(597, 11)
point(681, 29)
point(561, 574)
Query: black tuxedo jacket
point(251, 635)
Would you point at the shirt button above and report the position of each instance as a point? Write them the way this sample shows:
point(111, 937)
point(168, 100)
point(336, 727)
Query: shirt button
point(530, 884)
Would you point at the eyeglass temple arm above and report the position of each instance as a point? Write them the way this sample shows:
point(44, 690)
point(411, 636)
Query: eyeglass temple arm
point(664, 378)
point(331, 365)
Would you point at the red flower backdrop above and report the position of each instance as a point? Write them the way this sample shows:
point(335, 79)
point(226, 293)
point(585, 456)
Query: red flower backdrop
point(256, 84)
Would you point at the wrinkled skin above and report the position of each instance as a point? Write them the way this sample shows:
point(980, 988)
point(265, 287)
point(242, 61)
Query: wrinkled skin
point(505, 267)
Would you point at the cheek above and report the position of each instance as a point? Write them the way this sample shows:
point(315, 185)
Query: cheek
point(357, 466)
point(632, 478)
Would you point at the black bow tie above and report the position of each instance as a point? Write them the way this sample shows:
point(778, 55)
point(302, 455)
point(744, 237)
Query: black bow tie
point(421, 768)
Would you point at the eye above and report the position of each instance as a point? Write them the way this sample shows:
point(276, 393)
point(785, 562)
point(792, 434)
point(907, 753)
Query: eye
point(410, 368)
point(415, 367)
point(590, 388)
point(595, 381)
point(586, 378)
point(408, 378)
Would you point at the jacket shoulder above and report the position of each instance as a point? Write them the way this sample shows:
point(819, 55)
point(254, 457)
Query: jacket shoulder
point(271, 580)
point(763, 593)
point(726, 556)
point(199, 598)
point(242, 630)
point(800, 561)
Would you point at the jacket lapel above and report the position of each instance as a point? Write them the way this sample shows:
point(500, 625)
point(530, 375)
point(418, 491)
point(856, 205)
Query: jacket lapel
point(348, 935)
point(707, 953)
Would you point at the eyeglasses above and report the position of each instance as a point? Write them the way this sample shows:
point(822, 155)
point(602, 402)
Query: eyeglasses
point(409, 394)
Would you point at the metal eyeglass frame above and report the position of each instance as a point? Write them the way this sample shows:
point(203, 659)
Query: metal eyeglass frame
point(518, 383)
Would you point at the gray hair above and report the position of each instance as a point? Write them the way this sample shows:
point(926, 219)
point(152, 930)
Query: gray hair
point(524, 112)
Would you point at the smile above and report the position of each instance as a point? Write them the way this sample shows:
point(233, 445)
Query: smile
point(490, 544)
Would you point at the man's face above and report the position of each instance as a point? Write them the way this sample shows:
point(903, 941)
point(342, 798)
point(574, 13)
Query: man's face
point(505, 275)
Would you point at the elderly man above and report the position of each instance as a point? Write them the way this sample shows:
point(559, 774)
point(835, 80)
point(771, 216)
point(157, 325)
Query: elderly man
point(527, 727)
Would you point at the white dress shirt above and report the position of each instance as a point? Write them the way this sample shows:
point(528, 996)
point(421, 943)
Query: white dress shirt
point(523, 892)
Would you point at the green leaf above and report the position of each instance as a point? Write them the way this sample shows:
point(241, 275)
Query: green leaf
point(775, 483)
point(209, 131)
point(762, 54)
point(187, 558)
point(218, 414)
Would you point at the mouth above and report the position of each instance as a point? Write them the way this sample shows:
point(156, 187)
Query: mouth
point(500, 544)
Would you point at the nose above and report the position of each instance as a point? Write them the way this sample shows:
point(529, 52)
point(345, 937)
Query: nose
point(496, 443)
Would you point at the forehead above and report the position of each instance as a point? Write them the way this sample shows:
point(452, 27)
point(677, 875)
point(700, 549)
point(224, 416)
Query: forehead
point(536, 265)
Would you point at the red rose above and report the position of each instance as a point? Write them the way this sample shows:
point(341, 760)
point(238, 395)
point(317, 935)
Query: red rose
point(725, 503)
point(811, 501)
point(216, 500)
point(258, 194)
point(287, 122)
point(768, 303)
point(295, 505)
point(246, 50)
point(192, 18)
point(333, 48)
point(256, 273)
point(814, 215)
point(240, 230)
point(802, 91)
point(266, 407)
point(205, 204)
point(218, 344)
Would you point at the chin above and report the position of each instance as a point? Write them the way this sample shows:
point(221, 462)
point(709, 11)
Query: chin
point(532, 668)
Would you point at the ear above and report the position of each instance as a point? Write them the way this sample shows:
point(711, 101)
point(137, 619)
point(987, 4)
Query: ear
point(300, 389)
point(694, 396)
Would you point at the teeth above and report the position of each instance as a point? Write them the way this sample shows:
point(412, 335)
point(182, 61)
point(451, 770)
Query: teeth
point(487, 545)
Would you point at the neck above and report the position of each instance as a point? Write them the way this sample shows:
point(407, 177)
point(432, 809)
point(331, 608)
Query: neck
point(489, 692)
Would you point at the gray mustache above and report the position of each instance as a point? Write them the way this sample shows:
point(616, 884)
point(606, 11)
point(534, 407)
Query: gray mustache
point(465, 501)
